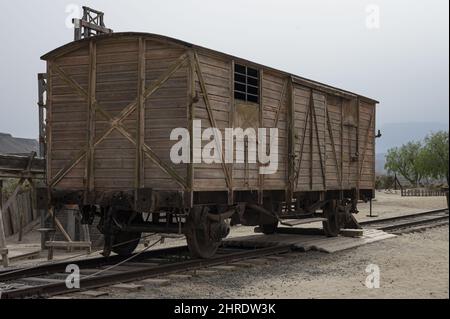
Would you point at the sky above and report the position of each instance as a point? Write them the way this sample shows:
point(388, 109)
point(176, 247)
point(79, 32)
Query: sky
point(395, 51)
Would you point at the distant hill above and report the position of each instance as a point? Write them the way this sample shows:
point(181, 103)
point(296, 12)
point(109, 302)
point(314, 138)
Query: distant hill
point(17, 146)
point(397, 134)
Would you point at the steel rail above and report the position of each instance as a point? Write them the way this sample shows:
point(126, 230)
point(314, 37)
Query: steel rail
point(415, 215)
point(421, 222)
point(407, 221)
point(53, 289)
point(45, 269)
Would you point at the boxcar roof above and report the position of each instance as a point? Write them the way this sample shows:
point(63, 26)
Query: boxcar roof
point(297, 79)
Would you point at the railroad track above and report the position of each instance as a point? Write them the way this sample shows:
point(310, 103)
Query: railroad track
point(49, 279)
point(408, 223)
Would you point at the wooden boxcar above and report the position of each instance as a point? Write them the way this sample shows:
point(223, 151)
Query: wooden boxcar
point(113, 101)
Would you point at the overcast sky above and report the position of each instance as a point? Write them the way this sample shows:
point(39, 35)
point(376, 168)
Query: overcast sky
point(402, 59)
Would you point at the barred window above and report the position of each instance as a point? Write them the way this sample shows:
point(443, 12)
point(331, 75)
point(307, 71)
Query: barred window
point(246, 84)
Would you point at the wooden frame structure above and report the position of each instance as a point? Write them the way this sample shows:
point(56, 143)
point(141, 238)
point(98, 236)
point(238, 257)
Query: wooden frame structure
point(24, 169)
point(29, 169)
point(91, 24)
point(3, 245)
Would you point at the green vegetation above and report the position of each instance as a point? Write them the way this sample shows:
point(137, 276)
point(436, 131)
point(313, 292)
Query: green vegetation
point(435, 156)
point(421, 161)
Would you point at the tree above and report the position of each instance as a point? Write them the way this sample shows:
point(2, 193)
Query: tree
point(406, 161)
point(435, 156)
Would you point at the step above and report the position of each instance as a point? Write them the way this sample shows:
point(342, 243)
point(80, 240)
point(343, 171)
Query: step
point(94, 293)
point(295, 222)
point(128, 287)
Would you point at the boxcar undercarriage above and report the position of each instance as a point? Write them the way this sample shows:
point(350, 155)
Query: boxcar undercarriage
point(125, 216)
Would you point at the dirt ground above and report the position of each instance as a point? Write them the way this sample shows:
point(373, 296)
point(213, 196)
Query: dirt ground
point(389, 205)
point(411, 266)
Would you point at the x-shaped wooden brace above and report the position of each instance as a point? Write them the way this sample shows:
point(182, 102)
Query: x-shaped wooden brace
point(366, 144)
point(311, 114)
point(116, 122)
point(210, 112)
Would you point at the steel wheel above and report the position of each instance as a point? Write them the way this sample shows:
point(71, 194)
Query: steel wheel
point(332, 226)
point(200, 245)
point(200, 234)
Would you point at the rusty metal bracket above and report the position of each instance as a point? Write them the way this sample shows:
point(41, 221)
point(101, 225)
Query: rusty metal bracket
point(145, 200)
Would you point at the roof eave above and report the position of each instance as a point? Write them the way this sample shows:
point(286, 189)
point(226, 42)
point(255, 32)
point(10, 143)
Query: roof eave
point(298, 79)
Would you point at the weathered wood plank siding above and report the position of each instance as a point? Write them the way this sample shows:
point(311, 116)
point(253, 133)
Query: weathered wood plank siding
point(165, 110)
point(367, 145)
point(274, 102)
point(217, 76)
point(309, 139)
point(116, 88)
point(69, 117)
point(117, 99)
point(117, 85)
point(334, 145)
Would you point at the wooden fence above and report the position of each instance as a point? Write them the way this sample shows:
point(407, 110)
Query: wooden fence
point(422, 192)
point(21, 215)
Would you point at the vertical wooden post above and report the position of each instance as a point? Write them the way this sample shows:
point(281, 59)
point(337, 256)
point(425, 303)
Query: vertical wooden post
point(85, 18)
point(3, 246)
point(311, 142)
point(33, 199)
point(231, 125)
point(48, 131)
point(140, 178)
point(291, 143)
point(190, 118)
point(374, 166)
point(261, 125)
point(342, 150)
point(21, 217)
point(42, 88)
point(77, 29)
point(358, 126)
point(319, 146)
point(44, 235)
point(90, 155)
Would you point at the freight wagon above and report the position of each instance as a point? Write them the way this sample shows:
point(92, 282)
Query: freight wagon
point(113, 102)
